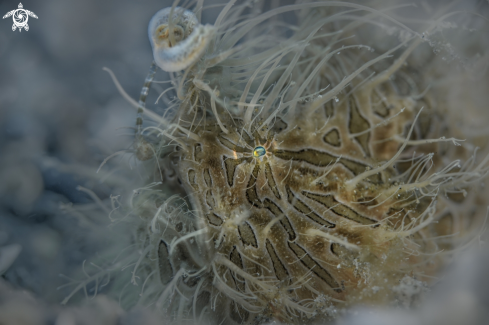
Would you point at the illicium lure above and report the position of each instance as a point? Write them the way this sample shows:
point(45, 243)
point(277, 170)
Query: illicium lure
point(177, 38)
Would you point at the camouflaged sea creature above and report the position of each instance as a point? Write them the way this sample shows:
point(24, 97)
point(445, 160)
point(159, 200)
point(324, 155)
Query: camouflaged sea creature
point(309, 167)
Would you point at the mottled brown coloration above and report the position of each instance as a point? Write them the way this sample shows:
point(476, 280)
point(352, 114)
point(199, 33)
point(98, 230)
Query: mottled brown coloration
point(333, 138)
point(265, 207)
point(344, 195)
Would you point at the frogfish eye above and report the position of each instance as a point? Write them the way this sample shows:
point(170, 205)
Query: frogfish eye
point(259, 152)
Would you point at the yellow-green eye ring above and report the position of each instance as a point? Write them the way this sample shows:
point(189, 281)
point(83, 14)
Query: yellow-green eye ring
point(259, 152)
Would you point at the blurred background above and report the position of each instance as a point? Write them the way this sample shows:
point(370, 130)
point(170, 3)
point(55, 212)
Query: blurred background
point(58, 108)
point(60, 116)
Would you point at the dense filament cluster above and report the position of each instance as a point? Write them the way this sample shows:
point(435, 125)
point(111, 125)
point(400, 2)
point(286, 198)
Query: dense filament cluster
point(301, 167)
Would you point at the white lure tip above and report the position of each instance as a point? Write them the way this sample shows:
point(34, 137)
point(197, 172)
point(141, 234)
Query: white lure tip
point(189, 42)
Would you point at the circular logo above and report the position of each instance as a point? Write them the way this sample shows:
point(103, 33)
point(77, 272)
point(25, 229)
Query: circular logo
point(20, 17)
